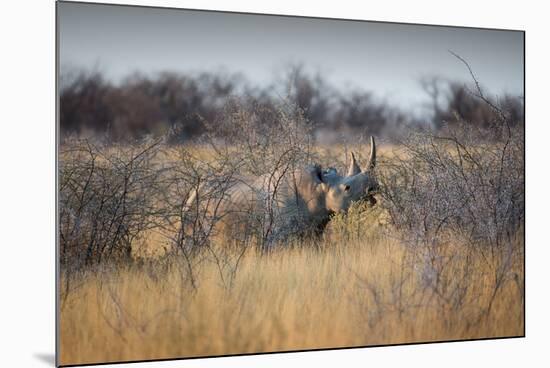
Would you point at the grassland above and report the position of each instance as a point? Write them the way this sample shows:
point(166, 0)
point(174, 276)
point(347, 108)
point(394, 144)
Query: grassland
point(357, 286)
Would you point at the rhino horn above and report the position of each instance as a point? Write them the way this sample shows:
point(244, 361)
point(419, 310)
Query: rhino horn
point(372, 156)
point(353, 168)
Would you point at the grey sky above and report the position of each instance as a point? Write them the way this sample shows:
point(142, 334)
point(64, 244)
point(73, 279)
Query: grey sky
point(384, 58)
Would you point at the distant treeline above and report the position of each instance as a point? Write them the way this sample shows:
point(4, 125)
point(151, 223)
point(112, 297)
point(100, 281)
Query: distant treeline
point(152, 105)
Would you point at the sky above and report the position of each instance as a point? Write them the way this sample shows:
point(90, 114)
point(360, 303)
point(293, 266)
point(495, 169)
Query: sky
point(387, 59)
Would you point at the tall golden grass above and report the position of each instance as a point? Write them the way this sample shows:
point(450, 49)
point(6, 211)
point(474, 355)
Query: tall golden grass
point(357, 286)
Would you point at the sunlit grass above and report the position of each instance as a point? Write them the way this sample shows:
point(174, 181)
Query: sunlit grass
point(357, 286)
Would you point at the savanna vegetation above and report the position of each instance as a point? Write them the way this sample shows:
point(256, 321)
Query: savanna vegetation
point(145, 276)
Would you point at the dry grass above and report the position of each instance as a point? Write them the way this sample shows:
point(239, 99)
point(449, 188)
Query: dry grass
point(356, 287)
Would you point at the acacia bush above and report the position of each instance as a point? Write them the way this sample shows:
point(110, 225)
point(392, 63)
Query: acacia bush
point(262, 138)
point(106, 200)
point(447, 183)
point(459, 182)
point(265, 144)
point(460, 193)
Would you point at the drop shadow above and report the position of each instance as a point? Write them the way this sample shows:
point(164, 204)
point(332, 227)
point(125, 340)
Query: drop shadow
point(47, 358)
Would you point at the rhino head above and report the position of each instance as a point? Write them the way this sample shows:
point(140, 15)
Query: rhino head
point(356, 185)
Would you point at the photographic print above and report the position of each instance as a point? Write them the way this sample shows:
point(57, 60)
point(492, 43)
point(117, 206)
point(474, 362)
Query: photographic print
point(232, 183)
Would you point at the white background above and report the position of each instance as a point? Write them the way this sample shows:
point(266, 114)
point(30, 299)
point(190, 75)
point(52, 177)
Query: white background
point(27, 203)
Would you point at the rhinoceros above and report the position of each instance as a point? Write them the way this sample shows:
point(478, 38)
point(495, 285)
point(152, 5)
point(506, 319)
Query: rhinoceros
point(300, 202)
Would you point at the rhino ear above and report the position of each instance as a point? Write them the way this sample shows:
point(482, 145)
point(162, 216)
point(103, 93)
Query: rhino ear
point(372, 156)
point(353, 168)
point(316, 173)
